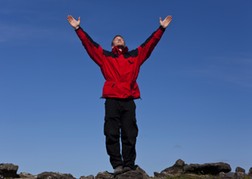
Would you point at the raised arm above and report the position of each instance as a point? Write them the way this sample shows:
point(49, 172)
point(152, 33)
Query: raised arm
point(93, 49)
point(147, 47)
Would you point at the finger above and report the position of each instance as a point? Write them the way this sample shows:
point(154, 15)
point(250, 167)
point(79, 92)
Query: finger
point(160, 19)
point(169, 18)
point(69, 18)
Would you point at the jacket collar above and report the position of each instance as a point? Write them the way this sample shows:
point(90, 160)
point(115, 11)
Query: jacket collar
point(116, 50)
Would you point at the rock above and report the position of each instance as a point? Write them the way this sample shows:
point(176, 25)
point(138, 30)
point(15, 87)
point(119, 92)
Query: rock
point(54, 175)
point(26, 175)
point(104, 175)
point(130, 175)
point(239, 173)
point(8, 170)
point(208, 168)
point(87, 177)
point(138, 173)
point(223, 175)
point(239, 170)
point(180, 168)
point(160, 175)
point(176, 169)
point(250, 172)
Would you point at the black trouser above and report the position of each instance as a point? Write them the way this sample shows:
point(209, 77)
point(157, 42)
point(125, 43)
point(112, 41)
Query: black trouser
point(120, 121)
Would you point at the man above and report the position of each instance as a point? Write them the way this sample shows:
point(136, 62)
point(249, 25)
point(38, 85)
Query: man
point(120, 69)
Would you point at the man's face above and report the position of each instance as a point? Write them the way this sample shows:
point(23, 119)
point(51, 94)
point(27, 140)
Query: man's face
point(118, 41)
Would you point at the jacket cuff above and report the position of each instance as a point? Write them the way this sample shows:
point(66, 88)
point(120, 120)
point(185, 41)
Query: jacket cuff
point(76, 29)
point(161, 28)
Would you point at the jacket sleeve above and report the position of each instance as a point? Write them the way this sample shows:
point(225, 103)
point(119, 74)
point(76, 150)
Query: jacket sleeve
point(93, 49)
point(144, 50)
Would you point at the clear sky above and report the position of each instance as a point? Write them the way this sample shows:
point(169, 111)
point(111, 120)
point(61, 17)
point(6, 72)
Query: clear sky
point(196, 87)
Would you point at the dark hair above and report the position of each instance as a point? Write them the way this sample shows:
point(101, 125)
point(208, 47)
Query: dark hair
point(115, 37)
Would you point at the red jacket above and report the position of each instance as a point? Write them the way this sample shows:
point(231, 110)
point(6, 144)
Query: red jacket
point(120, 69)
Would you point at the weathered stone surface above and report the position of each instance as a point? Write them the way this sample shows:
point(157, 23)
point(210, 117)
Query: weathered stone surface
point(87, 177)
point(138, 173)
point(54, 175)
point(26, 175)
point(8, 170)
point(224, 175)
point(239, 169)
point(180, 168)
point(239, 173)
point(176, 169)
point(130, 174)
point(208, 168)
point(250, 172)
point(104, 175)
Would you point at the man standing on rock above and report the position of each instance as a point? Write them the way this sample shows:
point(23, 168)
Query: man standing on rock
point(120, 68)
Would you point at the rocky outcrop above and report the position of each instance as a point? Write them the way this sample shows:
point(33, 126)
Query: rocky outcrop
point(180, 169)
point(250, 172)
point(27, 175)
point(53, 175)
point(200, 169)
point(217, 170)
point(175, 170)
point(132, 174)
point(8, 170)
point(88, 177)
point(240, 173)
point(208, 168)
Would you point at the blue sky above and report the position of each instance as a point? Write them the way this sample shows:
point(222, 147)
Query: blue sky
point(196, 87)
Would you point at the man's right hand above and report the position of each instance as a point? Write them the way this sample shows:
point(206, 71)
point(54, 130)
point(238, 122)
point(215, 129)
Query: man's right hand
point(73, 22)
point(164, 23)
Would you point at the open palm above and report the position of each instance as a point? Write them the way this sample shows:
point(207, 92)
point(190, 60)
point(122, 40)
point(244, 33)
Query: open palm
point(73, 22)
point(164, 23)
